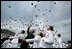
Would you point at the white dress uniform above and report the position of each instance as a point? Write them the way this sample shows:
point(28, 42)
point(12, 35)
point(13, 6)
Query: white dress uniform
point(14, 43)
point(15, 40)
point(57, 42)
point(49, 39)
point(36, 41)
point(10, 44)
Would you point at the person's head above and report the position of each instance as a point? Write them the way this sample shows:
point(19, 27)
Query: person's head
point(50, 28)
point(44, 35)
point(59, 35)
point(23, 31)
point(32, 31)
point(40, 34)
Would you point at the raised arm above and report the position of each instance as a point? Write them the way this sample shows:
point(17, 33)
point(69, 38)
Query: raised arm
point(28, 40)
point(28, 29)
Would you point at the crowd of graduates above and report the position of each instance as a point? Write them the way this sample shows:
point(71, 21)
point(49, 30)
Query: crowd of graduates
point(41, 40)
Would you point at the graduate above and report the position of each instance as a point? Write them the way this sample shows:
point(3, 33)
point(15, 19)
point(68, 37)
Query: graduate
point(30, 35)
point(19, 35)
point(42, 44)
point(36, 40)
point(48, 40)
point(16, 42)
point(58, 41)
point(13, 44)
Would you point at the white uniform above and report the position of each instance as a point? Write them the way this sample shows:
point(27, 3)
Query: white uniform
point(57, 42)
point(48, 40)
point(36, 41)
point(15, 40)
point(14, 43)
point(10, 44)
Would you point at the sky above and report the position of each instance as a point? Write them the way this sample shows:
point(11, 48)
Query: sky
point(18, 15)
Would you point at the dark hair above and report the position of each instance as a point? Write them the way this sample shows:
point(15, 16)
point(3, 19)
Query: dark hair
point(41, 34)
point(59, 35)
point(51, 27)
point(22, 31)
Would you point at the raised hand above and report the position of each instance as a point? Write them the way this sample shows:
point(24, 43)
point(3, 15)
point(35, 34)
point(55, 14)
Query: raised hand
point(30, 26)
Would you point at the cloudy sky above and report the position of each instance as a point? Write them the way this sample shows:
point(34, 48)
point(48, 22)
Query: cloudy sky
point(18, 15)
